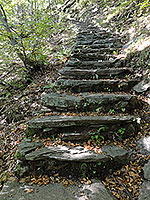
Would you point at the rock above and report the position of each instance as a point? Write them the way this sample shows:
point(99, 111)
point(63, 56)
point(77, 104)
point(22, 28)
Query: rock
point(66, 153)
point(145, 191)
point(90, 102)
point(76, 63)
point(92, 50)
point(63, 157)
point(95, 191)
point(118, 154)
point(61, 121)
point(92, 56)
point(27, 146)
point(143, 86)
point(95, 85)
point(60, 101)
point(95, 46)
point(144, 145)
point(70, 73)
point(20, 191)
point(146, 170)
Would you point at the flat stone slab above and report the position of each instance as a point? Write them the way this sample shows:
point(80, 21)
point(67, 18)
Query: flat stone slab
point(93, 56)
point(145, 191)
point(92, 64)
point(63, 157)
point(17, 191)
point(90, 102)
point(81, 49)
point(95, 85)
point(73, 73)
point(98, 46)
point(146, 170)
point(59, 121)
point(144, 145)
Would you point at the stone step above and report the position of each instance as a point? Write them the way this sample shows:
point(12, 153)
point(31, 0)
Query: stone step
point(105, 85)
point(83, 124)
point(97, 34)
point(93, 56)
point(92, 50)
point(77, 161)
point(92, 64)
point(90, 102)
point(73, 73)
point(98, 41)
point(98, 46)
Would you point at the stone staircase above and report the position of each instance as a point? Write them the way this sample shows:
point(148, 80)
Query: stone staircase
point(92, 104)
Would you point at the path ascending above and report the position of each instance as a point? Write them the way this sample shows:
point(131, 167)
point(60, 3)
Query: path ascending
point(92, 102)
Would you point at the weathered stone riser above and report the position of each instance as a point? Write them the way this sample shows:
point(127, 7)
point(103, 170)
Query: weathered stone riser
point(93, 56)
point(78, 86)
point(54, 125)
point(72, 73)
point(67, 160)
point(73, 169)
point(94, 64)
point(92, 102)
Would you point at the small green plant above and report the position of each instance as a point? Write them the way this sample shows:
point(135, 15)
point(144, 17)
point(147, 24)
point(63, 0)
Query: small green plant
point(95, 136)
point(84, 169)
point(123, 109)
point(111, 111)
point(121, 132)
point(98, 109)
point(17, 155)
point(50, 85)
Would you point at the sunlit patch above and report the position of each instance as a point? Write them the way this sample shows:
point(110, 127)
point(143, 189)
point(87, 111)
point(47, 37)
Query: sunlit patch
point(146, 143)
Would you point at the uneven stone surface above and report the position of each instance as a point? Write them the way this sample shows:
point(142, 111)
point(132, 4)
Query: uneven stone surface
point(72, 73)
point(146, 170)
point(95, 85)
point(144, 145)
point(62, 157)
point(145, 191)
point(17, 191)
point(143, 86)
point(27, 146)
point(78, 64)
point(62, 123)
point(91, 102)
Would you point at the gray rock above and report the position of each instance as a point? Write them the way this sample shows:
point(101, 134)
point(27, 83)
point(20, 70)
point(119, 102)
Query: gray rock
point(27, 146)
point(93, 56)
point(63, 102)
point(145, 191)
point(88, 64)
point(59, 121)
point(95, 85)
point(117, 153)
point(143, 86)
point(95, 191)
point(66, 153)
point(68, 72)
point(92, 50)
point(144, 145)
point(146, 170)
point(17, 191)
